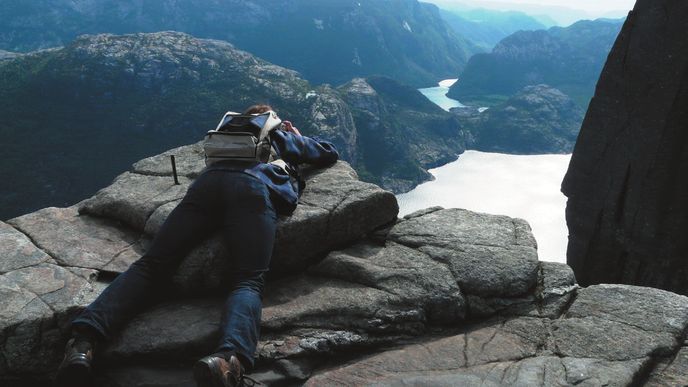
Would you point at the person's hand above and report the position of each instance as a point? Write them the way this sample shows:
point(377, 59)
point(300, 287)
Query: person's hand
point(289, 127)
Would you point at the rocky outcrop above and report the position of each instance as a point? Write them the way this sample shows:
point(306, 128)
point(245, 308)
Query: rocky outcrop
point(357, 296)
point(627, 183)
point(596, 342)
point(117, 223)
point(54, 260)
point(538, 119)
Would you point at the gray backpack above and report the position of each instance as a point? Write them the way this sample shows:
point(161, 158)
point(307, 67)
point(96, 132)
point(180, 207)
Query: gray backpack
point(241, 137)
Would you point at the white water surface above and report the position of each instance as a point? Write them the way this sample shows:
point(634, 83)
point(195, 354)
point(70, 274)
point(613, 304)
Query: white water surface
point(526, 187)
point(438, 94)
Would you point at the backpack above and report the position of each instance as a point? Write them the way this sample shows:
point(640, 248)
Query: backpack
point(241, 137)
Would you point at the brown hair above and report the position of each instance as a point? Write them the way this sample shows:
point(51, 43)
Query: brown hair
point(257, 109)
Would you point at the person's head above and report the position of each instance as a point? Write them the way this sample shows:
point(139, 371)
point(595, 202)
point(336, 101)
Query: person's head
point(257, 109)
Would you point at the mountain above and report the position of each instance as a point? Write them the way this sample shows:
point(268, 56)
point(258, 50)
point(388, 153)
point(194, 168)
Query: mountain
point(569, 59)
point(327, 41)
point(400, 132)
point(82, 114)
point(547, 14)
point(4, 55)
point(485, 28)
point(538, 119)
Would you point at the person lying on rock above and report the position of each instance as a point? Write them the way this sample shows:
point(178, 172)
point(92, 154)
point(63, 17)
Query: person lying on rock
point(239, 196)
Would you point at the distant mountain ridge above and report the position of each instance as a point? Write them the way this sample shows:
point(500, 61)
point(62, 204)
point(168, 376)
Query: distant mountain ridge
point(105, 101)
point(569, 59)
point(326, 41)
point(4, 55)
point(486, 28)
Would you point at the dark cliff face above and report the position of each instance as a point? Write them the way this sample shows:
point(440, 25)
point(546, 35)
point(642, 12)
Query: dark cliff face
point(326, 41)
point(628, 180)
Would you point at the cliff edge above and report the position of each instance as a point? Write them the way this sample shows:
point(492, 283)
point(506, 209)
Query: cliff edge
point(627, 183)
point(357, 296)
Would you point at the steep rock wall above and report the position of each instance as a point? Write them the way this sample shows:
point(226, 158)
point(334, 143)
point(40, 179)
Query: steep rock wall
point(627, 211)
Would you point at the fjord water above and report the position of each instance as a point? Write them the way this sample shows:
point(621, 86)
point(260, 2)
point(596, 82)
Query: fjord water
point(438, 94)
point(526, 187)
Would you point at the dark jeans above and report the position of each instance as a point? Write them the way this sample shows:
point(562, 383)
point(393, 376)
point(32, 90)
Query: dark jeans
point(233, 203)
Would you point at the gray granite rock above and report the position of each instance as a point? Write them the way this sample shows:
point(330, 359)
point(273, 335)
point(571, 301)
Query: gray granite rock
point(17, 250)
point(484, 357)
point(672, 371)
point(81, 241)
point(36, 304)
point(483, 307)
point(318, 343)
point(308, 302)
point(597, 338)
point(445, 357)
point(335, 209)
point(172, 330)
point(558, 289)
point(295, 314)
point(622, 322)
point(40, 291)
point(189, 159)
point(648, 309)
point(594, 372)
point(132, 198)
point(369, 289)
point(558, 278)
point(489, 255)
point(413, 287)
point(542, 371)
point(412, 277)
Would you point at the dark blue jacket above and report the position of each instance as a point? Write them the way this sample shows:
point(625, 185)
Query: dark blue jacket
point(294, 150)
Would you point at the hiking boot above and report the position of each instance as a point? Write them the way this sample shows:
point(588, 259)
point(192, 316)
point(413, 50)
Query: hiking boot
point(75, 369)
point(218, 371)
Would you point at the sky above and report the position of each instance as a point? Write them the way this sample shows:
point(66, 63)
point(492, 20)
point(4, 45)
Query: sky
point(561, 10)
point(593, 7)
